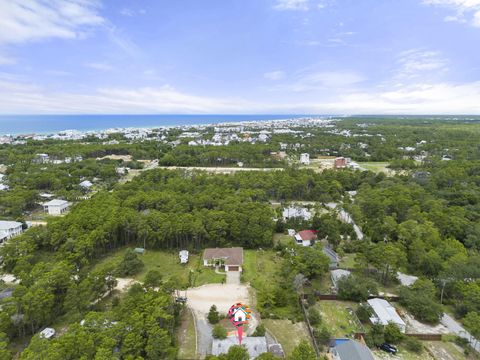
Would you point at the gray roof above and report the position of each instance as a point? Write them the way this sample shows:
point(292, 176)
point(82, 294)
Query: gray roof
point(353, 350)
point(56, 202)
point(7, 225)
point(254, 345)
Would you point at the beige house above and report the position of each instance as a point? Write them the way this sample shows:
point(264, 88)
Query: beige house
point(230, 258)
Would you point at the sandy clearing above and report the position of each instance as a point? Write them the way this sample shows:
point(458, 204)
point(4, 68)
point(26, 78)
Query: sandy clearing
point(8, 278)
point(124, 284)
point(200, 299)
point(416, 327)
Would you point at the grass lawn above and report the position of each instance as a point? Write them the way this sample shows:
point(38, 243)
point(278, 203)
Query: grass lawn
point(376, 167)
point(168, 264)
point(348, 261)
point(402, 355)
point(337, 317)
point(262, 269)
point(287, 333)
point(260, 266)
point(187, 337)
point(280, 238)
point(323, 285)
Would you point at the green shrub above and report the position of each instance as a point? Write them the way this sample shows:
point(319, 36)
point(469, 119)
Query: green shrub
point(213, 317)
point(393, 334)
point(364, 312)
point(219, 332)
point(130, 264)
point(356, 288)
point(413, 344)
point(260, 330)
point(314, 317)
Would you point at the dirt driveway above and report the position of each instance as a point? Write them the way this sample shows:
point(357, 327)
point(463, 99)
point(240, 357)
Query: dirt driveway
point(200, 300)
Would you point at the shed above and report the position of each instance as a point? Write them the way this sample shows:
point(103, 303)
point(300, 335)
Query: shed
point(139, 250)
point(183, 255)
point(47, 333)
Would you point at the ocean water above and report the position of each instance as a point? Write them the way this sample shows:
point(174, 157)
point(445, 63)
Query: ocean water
point(46, 124)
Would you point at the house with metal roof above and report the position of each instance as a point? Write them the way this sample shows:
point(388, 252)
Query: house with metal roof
point(384, 313)
point(349, 349)
point(9, 229)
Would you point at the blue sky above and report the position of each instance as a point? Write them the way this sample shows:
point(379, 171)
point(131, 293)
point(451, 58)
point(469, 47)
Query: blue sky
point(240, 56)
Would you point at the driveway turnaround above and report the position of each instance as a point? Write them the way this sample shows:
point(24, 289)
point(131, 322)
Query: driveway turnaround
point(202, 298)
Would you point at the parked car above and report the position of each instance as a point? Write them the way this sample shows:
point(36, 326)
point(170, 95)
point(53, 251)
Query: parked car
point(388, 348)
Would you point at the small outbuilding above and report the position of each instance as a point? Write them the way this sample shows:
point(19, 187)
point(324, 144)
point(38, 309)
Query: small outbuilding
point(183, 255)
point(47, 333)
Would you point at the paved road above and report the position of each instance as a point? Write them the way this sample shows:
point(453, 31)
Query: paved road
point(205, 339)
point(457, 329)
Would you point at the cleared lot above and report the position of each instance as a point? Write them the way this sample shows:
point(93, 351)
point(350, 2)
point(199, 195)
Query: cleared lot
point(222, 295)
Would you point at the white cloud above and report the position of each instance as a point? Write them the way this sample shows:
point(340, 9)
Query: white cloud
point(274, 75)
point(7, 60)
point(422, 98)
point(131, 12)
point(102, 66)
point(417, 63)
point(292, 5)
point(307, 81)
point(22, 21)
point(464, 9)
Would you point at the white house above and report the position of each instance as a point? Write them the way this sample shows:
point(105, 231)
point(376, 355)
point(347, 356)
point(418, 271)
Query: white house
point(56, 207)
point(296, 212)
point(306, 237)
point(9, 229)
point(305, 159)
point(384, 313)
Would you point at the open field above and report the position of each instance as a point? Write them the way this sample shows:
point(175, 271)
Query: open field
point(168, 264)
point(280, 238)
point(287, 333)
point(377, 167)
point(260, 266)
point(336, 316)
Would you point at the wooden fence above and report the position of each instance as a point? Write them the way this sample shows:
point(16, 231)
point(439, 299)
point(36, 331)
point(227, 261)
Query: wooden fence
point(309, 327)
point(427, 337)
